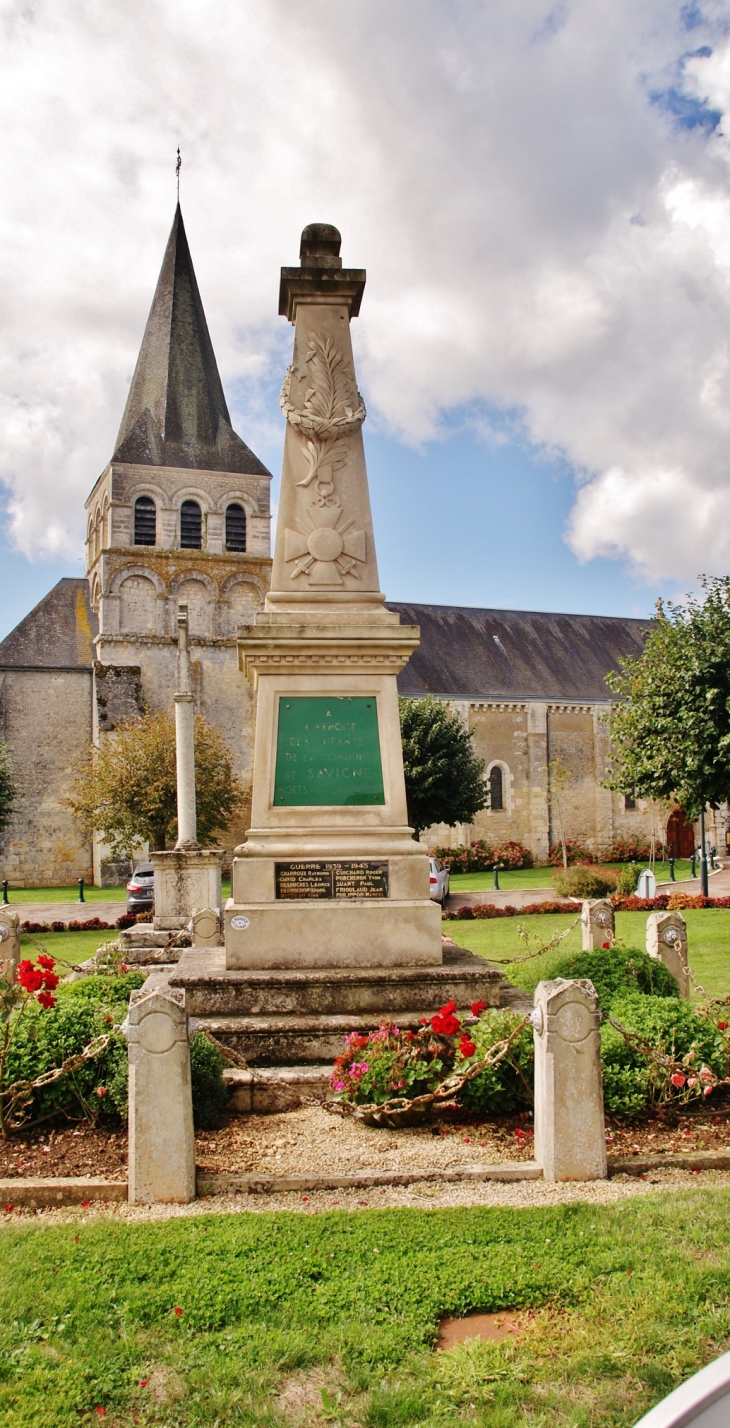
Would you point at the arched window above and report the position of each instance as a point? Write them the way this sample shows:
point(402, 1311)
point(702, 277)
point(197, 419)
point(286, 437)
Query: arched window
point(235, 527)
point(145, 521)
point(191, 526)
point(496, 792)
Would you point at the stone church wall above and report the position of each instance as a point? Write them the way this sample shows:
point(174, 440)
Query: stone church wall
point(45, 718)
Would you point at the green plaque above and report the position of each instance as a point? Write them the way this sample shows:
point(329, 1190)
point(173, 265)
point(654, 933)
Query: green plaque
point(327, 752)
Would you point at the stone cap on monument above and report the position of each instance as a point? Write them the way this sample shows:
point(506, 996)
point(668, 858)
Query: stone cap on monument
point(321, 277)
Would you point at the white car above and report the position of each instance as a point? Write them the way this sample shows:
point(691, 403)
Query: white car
point(439, 881)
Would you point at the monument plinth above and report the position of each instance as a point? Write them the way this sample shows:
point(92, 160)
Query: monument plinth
point(330, 874)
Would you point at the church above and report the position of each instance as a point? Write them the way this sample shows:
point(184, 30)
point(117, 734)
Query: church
point(182, 512)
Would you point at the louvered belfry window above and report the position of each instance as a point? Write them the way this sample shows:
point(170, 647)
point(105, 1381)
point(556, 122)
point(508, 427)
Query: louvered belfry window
point(235, 527)
point(496, 802)
point(145, 521)
point(191, 526)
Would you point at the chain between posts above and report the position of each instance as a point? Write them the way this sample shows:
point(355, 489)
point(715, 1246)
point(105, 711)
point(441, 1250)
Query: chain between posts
point(395, 1111)
point(20, 1093)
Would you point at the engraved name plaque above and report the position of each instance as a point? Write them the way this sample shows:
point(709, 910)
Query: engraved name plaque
point(331, 880)
point(327, 752)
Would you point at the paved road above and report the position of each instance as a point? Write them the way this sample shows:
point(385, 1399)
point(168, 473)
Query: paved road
point(68, 911)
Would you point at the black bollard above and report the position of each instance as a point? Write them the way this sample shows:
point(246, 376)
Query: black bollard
point(693, 864)
point(81, 890)
point(672, 878)
point(496, 877)
point(6, 899)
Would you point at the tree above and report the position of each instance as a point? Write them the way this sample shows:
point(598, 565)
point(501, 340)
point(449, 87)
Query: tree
point(670, 734)
point(127, 789)
point(444, 777)
point(8, 788)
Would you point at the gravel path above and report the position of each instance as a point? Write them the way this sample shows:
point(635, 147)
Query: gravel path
point(521, 1195)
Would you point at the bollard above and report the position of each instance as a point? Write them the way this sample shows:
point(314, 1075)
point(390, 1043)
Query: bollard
point(672, 877)
point(81, 890)
point(570, 1135)
point(206, 927)
point(9, 943)
point(161, 1137)
point(693, 864)
point(666, 940)
point(598, 923)
point(6, 899)
point(496, 877)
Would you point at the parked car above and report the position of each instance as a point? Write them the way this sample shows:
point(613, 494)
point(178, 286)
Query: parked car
point(439, 880)
point(141, 889)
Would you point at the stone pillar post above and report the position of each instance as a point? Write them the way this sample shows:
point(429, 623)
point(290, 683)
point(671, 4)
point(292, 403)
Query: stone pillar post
point(666, 939)
point(185, 738)
point(161, 1137)
point(570, 1137)
point(598, 923)
point(9, 942)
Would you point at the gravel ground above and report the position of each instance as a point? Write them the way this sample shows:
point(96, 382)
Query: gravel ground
point(521, 1195)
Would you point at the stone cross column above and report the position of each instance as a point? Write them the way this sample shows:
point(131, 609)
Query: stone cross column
point(185, 738)
point(570, 1136)
point(666, 939)
point(161, 1136)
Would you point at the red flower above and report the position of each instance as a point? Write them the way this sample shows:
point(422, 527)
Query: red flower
point(143, 1383)
point(722, 1026)
point(46, 962)
point(30, 977)
point(100, 1091)
point(178, 1311)
point(50, 981)
point(444, 1024)
point(477, 1008)
point(677, 1079)
point(467, 1048)
point(46, 1000)
point(606, 946)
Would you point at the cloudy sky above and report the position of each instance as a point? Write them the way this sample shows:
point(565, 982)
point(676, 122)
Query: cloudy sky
point(540, 194)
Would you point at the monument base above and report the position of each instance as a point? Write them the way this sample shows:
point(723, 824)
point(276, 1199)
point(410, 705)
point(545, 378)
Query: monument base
point(348, 933)
point(185, 879)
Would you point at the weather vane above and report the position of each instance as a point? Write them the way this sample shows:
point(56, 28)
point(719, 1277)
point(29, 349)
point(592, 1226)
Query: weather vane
point(178, 167)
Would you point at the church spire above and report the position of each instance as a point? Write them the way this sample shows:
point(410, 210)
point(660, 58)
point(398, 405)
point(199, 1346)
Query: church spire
point(176, 413)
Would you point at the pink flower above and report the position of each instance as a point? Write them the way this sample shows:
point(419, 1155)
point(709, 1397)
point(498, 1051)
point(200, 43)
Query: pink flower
point(678, 1079)
point(100, 1091)
point(692, 1081)
point(708, 1090)
point(338, 1085)
point(705, 1073)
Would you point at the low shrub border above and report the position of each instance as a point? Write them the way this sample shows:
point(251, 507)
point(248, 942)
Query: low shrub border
point(677, 902)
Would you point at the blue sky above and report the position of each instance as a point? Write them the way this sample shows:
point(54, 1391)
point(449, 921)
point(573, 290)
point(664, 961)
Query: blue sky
point(540, 194)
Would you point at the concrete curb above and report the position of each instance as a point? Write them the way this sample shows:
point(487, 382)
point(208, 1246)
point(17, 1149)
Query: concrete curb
point(62, 1190)
point(49, 1192)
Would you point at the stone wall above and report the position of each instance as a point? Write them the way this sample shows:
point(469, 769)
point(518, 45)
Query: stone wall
point(45, 718)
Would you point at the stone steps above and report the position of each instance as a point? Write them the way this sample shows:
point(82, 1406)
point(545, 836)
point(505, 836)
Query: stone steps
point(283, 1040)
point(390, 992)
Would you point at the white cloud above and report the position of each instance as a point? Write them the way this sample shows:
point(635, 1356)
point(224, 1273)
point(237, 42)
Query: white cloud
point(540, 235)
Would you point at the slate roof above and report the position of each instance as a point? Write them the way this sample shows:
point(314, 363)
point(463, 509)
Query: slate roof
point(515, 654)
point(57, 634)
point(176, 413)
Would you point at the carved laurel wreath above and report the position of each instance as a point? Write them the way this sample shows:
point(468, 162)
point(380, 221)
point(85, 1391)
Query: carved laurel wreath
point(327, 410)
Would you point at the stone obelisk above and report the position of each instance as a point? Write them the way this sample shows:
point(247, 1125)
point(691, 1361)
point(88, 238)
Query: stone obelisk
point(330, 874)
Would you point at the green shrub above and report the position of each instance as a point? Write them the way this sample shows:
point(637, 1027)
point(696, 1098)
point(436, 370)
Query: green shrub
point(508, 1085)
point(84, 1010)
point(619, 971)
point(210, 1096)
point(584, 881)
point(631, 1083)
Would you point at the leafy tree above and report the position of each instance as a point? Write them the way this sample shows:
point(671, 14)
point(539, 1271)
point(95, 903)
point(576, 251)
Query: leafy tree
point(8, 788)
point(444, 777)
point(127, 789)
point(670, 734)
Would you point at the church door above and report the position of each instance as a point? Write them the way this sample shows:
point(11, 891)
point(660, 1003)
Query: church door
point(681, 834)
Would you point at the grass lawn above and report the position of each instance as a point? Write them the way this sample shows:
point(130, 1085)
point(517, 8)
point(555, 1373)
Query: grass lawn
point(708, 932)
point(16, 896)
point(70, 946)
point(626, 1301)
point(542, 877)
